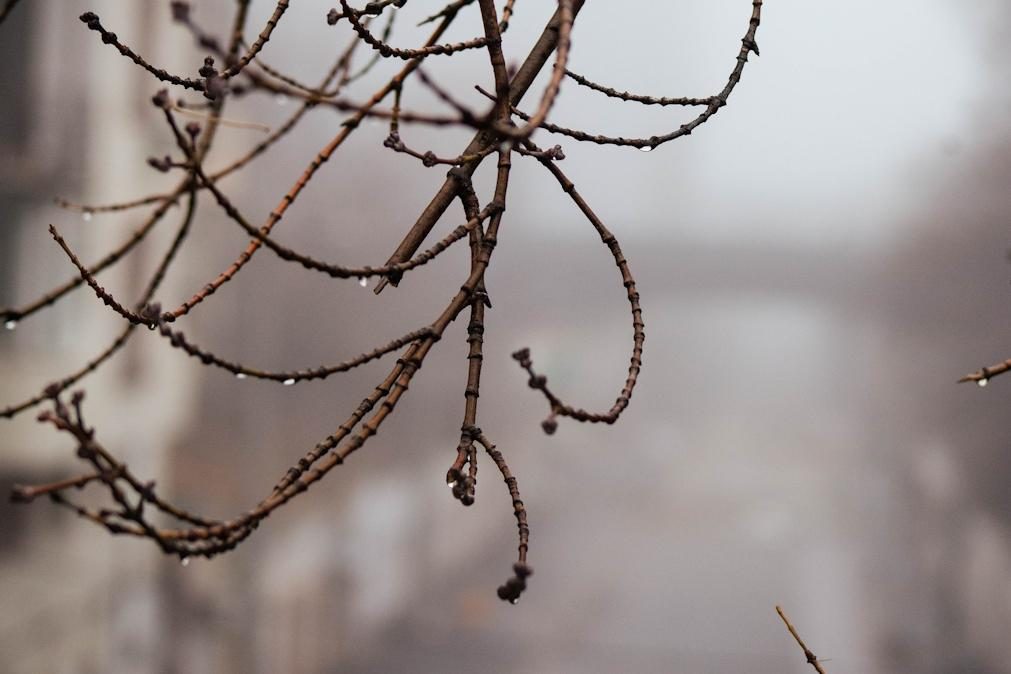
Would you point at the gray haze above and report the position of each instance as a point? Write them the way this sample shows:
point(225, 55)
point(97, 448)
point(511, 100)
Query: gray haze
point(818, 265)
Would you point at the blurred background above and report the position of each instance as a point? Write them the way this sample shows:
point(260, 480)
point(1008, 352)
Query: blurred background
point(818, 266)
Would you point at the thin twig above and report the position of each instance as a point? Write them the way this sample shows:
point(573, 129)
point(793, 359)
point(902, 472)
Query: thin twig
point(811, 657)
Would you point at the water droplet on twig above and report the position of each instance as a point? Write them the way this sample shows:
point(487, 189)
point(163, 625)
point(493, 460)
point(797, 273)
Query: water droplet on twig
point(289, 381)
point(11, 324)
point(982, 382)
point(185, 561)
point(646, 148)
point(240, 375)
point(86, 216)
point(362, 281)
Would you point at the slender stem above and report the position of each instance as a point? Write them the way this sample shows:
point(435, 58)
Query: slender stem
point(811, 657)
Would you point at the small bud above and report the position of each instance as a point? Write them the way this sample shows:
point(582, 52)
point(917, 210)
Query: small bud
point(429, 159)
point(214, 87)
point(20, 494)
point(549, 425)
point(147, 490)
point(208, 70)
point(180, 11)
point(151, 312)
point(522, 570)
point(161, 99)
point(333, 16)
point(164, 164)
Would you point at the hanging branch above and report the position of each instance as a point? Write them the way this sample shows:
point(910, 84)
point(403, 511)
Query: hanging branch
point(748, 45)
point(133, 507)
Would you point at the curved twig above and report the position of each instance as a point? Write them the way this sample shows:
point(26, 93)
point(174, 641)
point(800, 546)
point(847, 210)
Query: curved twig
point(539, 382)
point(748, 45)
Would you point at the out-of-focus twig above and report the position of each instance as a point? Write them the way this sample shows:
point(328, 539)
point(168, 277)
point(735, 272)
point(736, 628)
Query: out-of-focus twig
point(811, 657)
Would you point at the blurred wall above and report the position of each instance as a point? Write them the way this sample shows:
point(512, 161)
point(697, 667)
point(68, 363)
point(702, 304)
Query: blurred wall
point(818, 265)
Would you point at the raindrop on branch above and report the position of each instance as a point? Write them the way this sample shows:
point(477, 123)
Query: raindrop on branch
point(982, 382)
point(362, 281)
point(11, 324)
point(288, 382)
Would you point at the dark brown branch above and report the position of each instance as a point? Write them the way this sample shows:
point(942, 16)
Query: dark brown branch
point(449, 10)
point(259, 43)
point(387, 51)
point(289, 198)
point(102, 293)
point(661, 101)
point(519, 84)
point(514, 587)
point(131, 502)
point(566, 16)
point(748, 45)
point(332, 270)
point(27, 494)
point(539, 382)
point(464, 485)
point(236, 165)
point(94, 23)
point(57, 387)
point(179, 341)
point(51, 297)
point(376, 56)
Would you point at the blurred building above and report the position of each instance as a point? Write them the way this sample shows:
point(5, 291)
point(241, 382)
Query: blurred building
point(796, 438)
